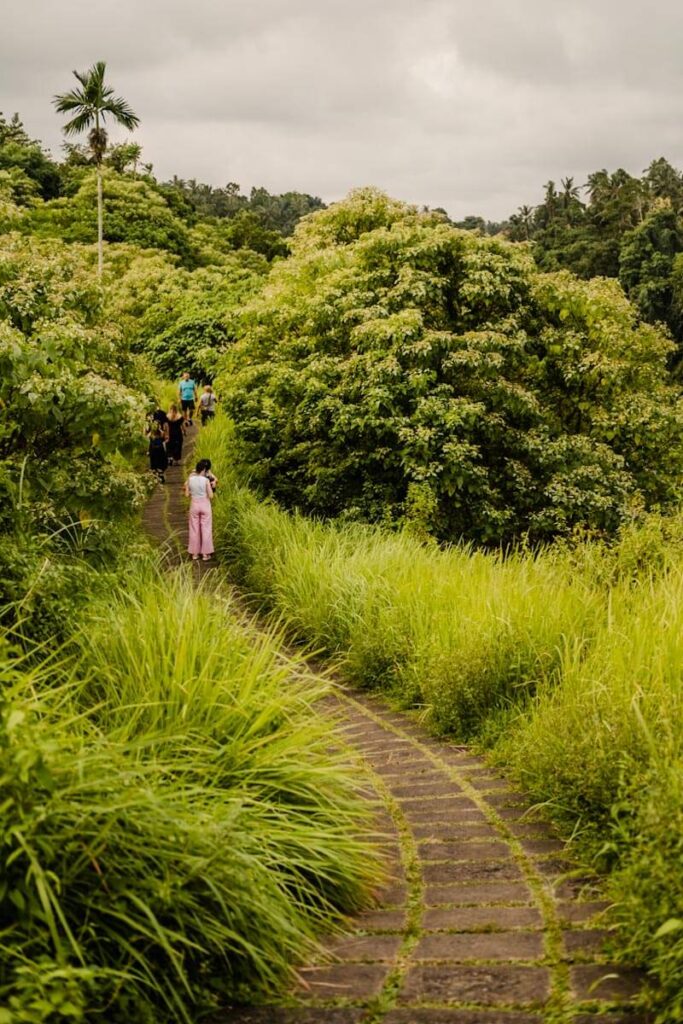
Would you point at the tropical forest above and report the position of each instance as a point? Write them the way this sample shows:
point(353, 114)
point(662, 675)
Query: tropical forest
point(405, 744)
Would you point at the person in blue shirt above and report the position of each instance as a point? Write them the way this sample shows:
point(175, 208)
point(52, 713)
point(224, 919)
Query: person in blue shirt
point(187, 393)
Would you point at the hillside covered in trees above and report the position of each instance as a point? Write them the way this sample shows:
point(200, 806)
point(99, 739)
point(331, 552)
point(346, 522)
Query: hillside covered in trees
point(615, 225)
point(408, 382)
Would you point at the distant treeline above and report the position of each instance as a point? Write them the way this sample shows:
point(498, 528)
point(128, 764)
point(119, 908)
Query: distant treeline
point(614, 225)
point(258, 221)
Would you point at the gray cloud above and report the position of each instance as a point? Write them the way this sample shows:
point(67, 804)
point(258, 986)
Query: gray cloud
point(467, 106)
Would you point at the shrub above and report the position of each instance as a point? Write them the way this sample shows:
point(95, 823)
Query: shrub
point(178, 824)
point(397, 369)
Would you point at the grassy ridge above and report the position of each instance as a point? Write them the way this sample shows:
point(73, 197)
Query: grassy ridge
point(569, 664)
point(178, 825)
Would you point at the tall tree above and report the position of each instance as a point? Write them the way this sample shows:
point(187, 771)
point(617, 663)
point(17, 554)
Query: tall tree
point(91, 103)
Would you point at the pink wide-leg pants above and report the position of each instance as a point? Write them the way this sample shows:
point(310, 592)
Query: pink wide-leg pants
point(201, 527)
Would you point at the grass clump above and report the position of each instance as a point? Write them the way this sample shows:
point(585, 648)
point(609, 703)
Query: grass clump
point(567, 663)
point(178, 824)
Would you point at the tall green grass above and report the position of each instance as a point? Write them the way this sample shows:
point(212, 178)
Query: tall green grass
point(568, 663)
point(178, 822)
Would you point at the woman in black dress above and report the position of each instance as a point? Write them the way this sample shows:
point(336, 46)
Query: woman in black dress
point(158, 459)
point(175, 424)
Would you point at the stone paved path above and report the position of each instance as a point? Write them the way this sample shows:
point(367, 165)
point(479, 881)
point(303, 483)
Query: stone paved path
point(485, 919)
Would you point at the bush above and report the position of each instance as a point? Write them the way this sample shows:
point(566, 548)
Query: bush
point(178, 824)
point(398, 369)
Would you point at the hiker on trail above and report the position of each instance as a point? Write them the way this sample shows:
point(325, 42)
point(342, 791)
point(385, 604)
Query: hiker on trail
point(175, 425)
point(206, 470)
point(160, 417)
point(187, 393)
point(207, 404)
point(158, 459)
point(198, 489)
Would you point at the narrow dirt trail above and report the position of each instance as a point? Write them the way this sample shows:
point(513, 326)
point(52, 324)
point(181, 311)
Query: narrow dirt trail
point(485, 920)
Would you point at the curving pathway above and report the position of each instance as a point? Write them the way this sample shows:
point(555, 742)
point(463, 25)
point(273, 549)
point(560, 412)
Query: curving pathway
point(486, 920)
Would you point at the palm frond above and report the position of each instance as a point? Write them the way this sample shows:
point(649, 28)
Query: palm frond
point(122, 112)
point(80, 123)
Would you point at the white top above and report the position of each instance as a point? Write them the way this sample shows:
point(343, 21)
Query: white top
point(198, 486)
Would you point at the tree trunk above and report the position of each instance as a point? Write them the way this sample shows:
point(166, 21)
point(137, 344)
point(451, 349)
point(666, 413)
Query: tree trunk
point(99, 222)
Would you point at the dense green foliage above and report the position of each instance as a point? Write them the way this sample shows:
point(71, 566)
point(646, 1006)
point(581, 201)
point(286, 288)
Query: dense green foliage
point(568, 663)
point(190, 255)
point(380, 363)
point(628, 228)
point(73, 402)
point(273, 213)
point(180, 319)
point(398, 369)
point(133, 212)
point(177, 824)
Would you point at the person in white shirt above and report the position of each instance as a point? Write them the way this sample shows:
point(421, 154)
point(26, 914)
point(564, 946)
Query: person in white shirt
point(200, 492)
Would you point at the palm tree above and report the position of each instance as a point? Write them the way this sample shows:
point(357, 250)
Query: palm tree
point(526, 214)
point(91, 103)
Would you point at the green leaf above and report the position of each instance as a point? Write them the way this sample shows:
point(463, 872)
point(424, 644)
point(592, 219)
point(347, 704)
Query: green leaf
point(674, 924)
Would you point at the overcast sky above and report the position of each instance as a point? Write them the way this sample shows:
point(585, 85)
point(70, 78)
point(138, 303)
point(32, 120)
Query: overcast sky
point(467, 105)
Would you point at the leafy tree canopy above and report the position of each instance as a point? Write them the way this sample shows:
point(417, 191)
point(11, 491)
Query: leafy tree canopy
point(181, 320)
point(19, 152)
point(69, 390)
point(398, 368)
point(614, 226)
point(279, 213)
point(134, 212)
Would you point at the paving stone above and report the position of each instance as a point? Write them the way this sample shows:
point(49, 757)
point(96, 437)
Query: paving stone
point(471, 871)
point(449, 806)
point(446, 789)
point(466, 919)
point(480, 946)
point(395, 895)
point(516, 813)
point(342, 981)
point(601, 981)
point(380, 921)
point(577, 888)
point(454, 829)
point(481, 778)
point(404, 762)
point(293, 1015)
point(555, 867)
point(390, 769)
point(540, 847)
point(415, 1016)
point(365, 947)
point(509, 797)
point(480, 892)
point(490, 986)
point(463, 851)
point(581, 913)
point(421, 783)
point(529, 829)
point(586, 942)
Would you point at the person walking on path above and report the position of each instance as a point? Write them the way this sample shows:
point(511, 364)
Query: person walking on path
point(176, 433)
point(207, 405)
point(204, 466)
point(198, 489)
point(158, 459)
point(187, 393)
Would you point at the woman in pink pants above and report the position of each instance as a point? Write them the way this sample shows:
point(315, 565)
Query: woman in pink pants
point(198, 489)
